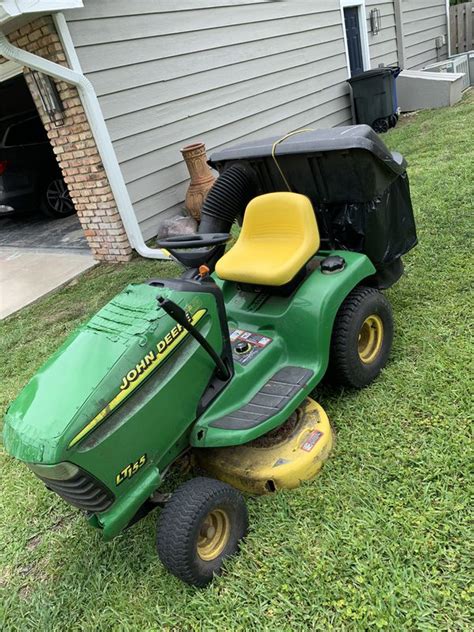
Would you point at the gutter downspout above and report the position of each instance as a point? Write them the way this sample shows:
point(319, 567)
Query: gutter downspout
point(400, 33)
point(98, 127)
point(448, 24)
point(64, 34)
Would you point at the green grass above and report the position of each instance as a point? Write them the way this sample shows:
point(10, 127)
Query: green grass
point(378, 541)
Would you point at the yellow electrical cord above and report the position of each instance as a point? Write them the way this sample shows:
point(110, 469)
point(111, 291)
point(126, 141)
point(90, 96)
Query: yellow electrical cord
point(275, 145)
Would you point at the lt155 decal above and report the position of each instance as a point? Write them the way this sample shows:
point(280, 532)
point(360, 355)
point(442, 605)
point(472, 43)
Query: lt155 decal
point(130, 470)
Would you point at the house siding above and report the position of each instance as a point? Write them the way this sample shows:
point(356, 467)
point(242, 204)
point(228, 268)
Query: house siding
point(168, 74)
point(383, 46)
point(423, 22)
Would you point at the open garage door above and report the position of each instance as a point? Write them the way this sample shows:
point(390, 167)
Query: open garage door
point(42, 243)
point(35, 207)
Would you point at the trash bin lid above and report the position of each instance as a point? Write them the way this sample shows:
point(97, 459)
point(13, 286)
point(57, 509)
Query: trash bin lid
point(375, 72)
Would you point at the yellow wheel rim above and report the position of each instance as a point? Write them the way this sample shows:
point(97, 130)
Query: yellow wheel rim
point(213, 535)
point(370, 338)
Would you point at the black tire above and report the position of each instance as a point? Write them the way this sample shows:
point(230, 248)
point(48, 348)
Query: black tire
point(380, 126)
point(182, 546)
point(56, 201)
point(358, 354)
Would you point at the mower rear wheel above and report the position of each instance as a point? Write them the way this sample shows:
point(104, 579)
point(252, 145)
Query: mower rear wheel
point(362, 338)
point(200, 526)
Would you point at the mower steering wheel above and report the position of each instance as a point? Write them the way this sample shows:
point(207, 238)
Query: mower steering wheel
point(197, 242)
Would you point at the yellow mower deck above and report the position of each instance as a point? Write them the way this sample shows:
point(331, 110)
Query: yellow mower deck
point(278, 462)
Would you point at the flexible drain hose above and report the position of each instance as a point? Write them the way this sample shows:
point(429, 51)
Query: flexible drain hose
point(228, 198)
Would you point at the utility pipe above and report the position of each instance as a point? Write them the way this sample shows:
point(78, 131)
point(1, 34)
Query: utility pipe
point(98, 127)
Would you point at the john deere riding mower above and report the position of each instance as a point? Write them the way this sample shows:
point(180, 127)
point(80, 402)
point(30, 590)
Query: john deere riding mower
point(222, 361)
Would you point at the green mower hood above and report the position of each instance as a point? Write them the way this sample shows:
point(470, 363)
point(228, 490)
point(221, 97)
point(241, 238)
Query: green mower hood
point(99, 364)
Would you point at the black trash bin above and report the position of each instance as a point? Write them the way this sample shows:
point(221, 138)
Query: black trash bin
point(374, 96)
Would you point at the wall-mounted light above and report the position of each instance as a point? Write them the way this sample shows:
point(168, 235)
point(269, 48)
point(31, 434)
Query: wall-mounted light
point(375, 21)
point(50, 98)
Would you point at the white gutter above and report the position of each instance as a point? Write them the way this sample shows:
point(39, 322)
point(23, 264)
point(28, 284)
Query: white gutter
point(12, 8)
point(62, 30)
point(448, 23)
point(98, 127)
point(9, 69)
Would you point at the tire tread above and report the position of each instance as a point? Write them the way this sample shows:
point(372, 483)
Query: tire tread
point(177, 521)
point(340, 368)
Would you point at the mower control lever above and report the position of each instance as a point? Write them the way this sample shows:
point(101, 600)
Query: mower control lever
point(179, 315)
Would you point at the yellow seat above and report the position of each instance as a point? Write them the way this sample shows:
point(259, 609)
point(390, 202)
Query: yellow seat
point(279, 235)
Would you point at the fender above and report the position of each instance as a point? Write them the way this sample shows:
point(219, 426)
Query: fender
point(300, 329)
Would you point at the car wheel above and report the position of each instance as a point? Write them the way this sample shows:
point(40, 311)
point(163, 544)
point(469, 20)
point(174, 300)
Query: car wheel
point(56, 201)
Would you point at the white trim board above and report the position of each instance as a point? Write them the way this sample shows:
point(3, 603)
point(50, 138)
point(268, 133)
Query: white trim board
point(12, 8)
point(364, 36)
point(10, 69)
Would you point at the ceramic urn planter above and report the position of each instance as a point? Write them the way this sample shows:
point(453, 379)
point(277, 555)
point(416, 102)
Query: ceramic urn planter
point(201, 178)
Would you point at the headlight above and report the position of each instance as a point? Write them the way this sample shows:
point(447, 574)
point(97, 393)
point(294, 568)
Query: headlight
point(75, 485)
point(59, 472)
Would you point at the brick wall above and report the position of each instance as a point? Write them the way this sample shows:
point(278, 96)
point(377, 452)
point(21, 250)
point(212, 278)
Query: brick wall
point(76, 151)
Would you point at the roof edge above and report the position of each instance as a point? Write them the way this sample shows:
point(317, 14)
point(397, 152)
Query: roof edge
point(10, 9)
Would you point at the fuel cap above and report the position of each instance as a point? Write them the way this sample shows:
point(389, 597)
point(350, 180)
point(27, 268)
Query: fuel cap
point(332, 264)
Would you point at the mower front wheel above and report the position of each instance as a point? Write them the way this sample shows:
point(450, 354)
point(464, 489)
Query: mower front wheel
point(200, 526)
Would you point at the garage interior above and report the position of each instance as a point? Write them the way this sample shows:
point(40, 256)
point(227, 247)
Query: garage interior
point(29, 227)
point(38, 253)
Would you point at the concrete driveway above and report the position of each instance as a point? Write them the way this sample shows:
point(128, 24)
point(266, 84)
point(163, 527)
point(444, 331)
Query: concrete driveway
point(37, 256)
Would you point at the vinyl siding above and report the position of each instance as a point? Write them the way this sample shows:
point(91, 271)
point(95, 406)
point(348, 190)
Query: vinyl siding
point(168, 74)
point(383, 46)
point(423, 22)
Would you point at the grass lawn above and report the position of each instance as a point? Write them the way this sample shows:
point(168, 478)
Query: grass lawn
point(378, 541)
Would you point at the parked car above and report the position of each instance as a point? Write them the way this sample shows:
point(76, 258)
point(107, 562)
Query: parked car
point(30, 177)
